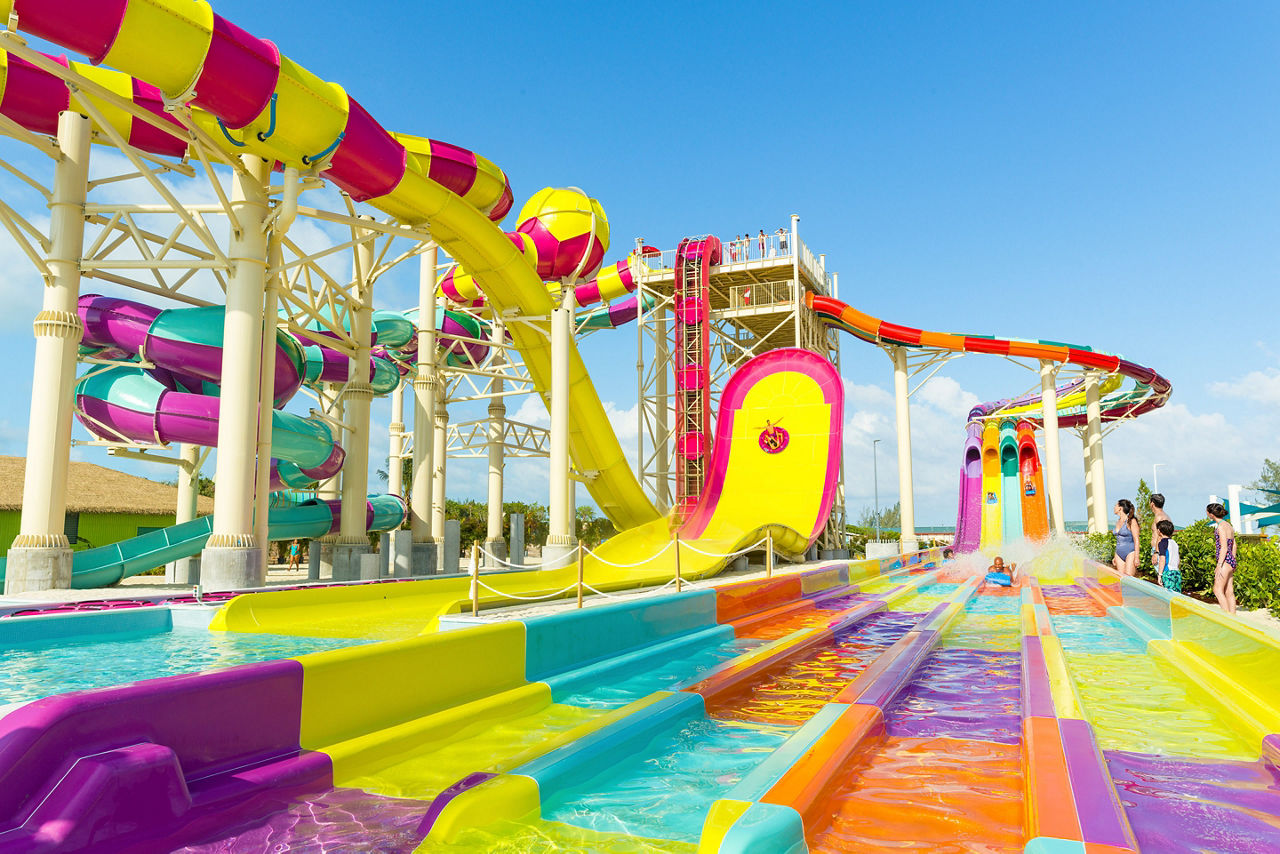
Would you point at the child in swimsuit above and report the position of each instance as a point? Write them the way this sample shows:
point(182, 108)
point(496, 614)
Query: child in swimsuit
point(1167, 564)
point(1224, 550)
point(998, 575)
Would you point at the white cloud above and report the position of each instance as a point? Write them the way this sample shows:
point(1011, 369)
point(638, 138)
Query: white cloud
point(1257, 386)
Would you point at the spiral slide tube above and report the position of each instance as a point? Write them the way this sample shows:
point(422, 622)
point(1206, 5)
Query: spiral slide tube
point(254, 100)
point(1150, 390)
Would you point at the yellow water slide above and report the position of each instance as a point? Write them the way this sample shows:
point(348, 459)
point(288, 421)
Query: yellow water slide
point(774, 471)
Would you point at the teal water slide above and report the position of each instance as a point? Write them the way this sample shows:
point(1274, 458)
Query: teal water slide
point(108, 564)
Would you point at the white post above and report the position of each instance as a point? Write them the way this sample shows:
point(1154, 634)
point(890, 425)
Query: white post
point(559, 539)
point(425, 386)
point(1052, 444)
point(40, 557)
point(906, 495)
point(331, 489)
point(231, 557)
point(440, 440)
point(353, 540)
point(266, 406)
point(1093, 448)
point(186, 570)
point(395, 443)
point(494, 544)
point(1233, 508)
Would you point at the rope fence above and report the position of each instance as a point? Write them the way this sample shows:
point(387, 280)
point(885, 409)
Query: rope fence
point(582, 552)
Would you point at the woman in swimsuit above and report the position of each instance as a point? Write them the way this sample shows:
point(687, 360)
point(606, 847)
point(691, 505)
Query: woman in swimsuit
point(1224, 550)
point(1126, 559)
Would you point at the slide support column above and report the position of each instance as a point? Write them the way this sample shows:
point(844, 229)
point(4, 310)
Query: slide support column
point(353, 540)
point(560, 539)
point(1093, 449)
point(903, 410)
point(494, 544)
point(232, 557)
point(186, 570)
point(1052, 444)
point(40, 557)
point(426, 386)
point(266, 406)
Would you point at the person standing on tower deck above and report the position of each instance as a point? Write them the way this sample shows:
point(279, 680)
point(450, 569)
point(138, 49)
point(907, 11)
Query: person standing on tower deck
point(782, 241)
point(733, 248)
point(760, 241)
point(1224, 552)
point(1127, 534)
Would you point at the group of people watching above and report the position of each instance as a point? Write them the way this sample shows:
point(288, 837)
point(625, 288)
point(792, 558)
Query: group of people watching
point(1164, 550)
point(739, 249)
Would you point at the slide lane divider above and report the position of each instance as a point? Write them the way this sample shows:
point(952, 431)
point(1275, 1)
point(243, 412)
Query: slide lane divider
point(1233, 663)
point(1071, 801)
point(516, 789)
point(770, 807)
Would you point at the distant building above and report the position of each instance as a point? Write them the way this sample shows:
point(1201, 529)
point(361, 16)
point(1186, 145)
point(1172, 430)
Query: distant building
point(103, 506)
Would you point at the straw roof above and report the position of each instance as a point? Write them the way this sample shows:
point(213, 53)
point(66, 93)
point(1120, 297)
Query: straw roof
point(95, 489)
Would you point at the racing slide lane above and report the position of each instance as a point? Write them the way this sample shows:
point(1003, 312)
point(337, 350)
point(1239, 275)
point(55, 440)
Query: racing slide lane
point(779, 424)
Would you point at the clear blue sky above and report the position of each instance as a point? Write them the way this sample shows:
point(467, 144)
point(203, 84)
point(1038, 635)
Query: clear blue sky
point(1100, 173)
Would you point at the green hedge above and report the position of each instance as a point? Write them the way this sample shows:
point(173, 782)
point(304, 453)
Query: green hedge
point(1257, 571)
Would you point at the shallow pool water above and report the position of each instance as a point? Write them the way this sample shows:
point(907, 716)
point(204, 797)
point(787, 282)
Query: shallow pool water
point(35, 671)
point(617, 690)
point(1095, 634)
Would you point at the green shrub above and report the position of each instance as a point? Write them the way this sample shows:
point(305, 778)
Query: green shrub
point(1100, 547)
point(1258, 576)
point(1195, 557)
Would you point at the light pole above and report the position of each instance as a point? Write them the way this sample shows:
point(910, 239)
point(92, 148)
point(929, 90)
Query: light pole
point(1155, 476)
point(875, 480)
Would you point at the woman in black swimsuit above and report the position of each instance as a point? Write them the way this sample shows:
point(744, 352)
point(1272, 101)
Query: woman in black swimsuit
point(1224, 551)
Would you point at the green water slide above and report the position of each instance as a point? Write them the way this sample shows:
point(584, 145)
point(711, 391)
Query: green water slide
point(106, 565)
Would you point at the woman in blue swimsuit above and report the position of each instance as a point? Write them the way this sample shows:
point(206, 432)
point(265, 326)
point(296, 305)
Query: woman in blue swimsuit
point(1126, 559)
point(1224, 551)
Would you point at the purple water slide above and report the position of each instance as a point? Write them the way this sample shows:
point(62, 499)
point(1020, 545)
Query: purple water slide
point(969, 517)
point(145, 331)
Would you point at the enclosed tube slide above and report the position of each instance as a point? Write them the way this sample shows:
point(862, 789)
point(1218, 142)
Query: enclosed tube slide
point(969, 523)
point(992, 518)
point(106, 565)
point(1149, 390)
point(1010, 503)
point(1035, 511)
point(259, 102)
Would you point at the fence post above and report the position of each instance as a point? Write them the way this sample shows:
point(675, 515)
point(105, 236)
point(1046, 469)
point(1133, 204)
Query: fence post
point(475, 579)
point(679, 580)
point(768, 555)
point(581, 559)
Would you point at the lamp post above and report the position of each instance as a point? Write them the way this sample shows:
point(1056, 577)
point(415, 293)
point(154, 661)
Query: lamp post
point(1155, 476)
point(875, 480)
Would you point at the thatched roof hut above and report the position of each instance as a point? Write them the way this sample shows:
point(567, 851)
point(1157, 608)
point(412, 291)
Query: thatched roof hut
point(96, 489)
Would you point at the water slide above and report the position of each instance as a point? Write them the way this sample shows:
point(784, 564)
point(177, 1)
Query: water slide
point(1010, 502)
point(253, 100)
point(1035, 510)
point(105, 565)
point(779, 424)
point(992, 491)
point(969, 524)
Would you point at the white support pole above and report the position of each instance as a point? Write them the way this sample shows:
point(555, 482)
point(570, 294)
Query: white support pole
point(560, 539)
point(1233, 508)
point(331, 489)
point(395, 443)
point(266, 406)
point(1052, 444)
point(425, 394)
point(662, 411)
point(906, 495)
point(494, 543)
point(353, 538)
point(231, 557)
point(440, 442)
point(1093, 449)
point(40, 557)
point(186, 570)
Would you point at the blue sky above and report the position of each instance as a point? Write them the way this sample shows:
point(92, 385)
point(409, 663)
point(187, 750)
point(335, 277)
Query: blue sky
point(1104, 174)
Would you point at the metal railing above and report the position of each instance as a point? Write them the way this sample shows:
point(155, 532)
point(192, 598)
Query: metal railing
point(760, 294)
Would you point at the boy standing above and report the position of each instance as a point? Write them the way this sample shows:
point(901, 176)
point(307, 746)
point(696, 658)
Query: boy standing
point(1167, 565)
